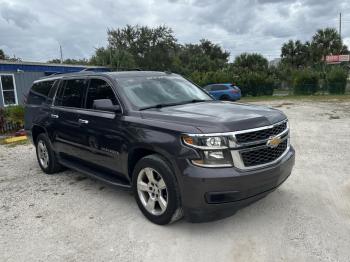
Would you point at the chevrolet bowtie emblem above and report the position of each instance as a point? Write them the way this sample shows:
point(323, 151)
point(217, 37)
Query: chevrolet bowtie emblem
point(273, 141)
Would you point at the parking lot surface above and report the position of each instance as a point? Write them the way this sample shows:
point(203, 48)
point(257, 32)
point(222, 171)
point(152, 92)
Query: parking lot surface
point(69, 217)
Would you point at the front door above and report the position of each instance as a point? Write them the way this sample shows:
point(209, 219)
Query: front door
point(102, 131)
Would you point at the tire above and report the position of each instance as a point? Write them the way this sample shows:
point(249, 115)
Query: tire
point(224, 98)
point(44, 149)
point(143, 187)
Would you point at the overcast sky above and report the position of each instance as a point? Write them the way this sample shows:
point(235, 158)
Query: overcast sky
point(33, 29)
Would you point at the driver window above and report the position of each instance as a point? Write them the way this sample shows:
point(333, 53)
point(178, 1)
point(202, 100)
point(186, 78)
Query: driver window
point(99, 89)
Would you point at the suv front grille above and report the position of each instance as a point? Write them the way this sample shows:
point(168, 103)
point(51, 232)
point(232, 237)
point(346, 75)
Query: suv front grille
point(261, 134)
point(263, 155)
point(251, 148)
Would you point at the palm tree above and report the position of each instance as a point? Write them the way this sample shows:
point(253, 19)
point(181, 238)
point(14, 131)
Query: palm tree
point(296, 53)
point(326, 42)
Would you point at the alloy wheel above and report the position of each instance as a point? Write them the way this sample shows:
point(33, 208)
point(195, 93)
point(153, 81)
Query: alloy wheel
point(152, 191)
point(43, 154)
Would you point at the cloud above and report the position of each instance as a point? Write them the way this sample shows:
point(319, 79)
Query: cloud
point(20, 16)
point(33, 29)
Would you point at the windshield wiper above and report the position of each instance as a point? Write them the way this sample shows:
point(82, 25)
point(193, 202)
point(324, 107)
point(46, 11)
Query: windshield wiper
point(173, 104)
point(160, 106)
point(196, 101)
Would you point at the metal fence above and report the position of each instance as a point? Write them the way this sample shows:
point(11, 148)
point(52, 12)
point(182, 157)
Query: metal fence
point(9, 127)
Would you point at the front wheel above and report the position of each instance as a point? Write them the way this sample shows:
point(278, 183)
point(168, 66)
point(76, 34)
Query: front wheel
point(156, 190)
point(224, 98)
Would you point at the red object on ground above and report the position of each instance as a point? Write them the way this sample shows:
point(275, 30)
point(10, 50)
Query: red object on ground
point(21, 132)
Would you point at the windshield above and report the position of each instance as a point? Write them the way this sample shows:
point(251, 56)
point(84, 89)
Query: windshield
point(153, 91)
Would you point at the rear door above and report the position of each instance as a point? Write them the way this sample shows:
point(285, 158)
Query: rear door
point(218, 91)
point(66, 127)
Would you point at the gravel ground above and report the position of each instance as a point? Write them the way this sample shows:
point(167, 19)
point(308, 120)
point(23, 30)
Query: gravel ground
point(68, 217)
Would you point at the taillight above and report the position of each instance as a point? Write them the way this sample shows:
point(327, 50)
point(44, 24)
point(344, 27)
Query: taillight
point(234, 91)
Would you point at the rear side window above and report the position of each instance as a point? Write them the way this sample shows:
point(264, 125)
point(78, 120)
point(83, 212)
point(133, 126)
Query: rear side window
point(71, 93)
point(99, 89)
point(218, 88)
point(39, 92)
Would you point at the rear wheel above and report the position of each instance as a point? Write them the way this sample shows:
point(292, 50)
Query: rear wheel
point(224, 98)
point(156, 190)
point(46, 156)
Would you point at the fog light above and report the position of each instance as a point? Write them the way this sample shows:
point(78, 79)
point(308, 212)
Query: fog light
point(214, 154)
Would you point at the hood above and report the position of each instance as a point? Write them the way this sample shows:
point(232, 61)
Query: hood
point(217, 116)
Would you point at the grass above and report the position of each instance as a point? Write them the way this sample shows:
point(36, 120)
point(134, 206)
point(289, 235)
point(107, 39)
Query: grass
point(315, 98)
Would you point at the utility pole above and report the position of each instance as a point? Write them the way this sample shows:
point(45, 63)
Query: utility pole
point(61, 54)
point(340, 25)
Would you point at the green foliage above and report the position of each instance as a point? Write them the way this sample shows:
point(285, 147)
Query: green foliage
point(255, 84)
point(69, 61)
point(296, 54)
point(2, 54)
point(306, 82)
point(146, 48)
point(325, 42)
point(205, 78)
point(202, 57)
point(158, 49)
point(14, 114)
point(118, 59)
point(251, 62)
point(337, 79)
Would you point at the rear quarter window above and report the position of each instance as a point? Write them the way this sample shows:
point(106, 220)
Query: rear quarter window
point(39, 92)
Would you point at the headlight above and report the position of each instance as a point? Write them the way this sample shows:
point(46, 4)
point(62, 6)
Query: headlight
point(213, 150)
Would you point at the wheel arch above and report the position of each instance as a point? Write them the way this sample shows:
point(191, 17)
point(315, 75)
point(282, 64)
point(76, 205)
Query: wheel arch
point(36, 131)
point(138, 153)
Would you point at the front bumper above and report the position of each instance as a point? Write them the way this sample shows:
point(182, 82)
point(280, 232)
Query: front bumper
point(210, 194)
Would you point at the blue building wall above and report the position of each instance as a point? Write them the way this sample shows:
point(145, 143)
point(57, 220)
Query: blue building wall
point(25, 74)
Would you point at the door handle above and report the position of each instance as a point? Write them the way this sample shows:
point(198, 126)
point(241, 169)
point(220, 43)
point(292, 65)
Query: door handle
point(83, 121)
point(54, 116)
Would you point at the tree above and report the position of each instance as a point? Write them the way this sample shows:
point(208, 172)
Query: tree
point(2, 54)
point(296, 54)
point(203, 57)
point(116, 58)
point(70, 61)
point(327, 42)
point(147, 48)
point(251, 62)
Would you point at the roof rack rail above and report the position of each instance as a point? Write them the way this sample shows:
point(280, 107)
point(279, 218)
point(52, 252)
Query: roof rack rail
point(116, 69)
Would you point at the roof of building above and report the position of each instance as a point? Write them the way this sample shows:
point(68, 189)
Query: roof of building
point(19, 66)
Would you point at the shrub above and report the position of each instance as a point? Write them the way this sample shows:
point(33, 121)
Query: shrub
point(15, 114)
point(2, 118)
point(205, 78)
point(337, 78)
point(305, 82)
point(255, 84)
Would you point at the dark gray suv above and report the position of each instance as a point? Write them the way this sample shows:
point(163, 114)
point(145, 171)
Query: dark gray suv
point(180, 151)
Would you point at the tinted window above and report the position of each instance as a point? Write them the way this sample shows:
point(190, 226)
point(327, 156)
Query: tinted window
point(99, 89)
point(218, 88)
point(39, 92)
point(73, 93)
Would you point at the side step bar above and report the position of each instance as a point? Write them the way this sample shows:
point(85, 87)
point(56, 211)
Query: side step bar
point(107, 178)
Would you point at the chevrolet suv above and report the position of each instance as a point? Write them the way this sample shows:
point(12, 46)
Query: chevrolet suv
point(181, 152)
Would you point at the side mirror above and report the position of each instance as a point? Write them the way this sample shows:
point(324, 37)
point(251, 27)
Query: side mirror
point(106, 105)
